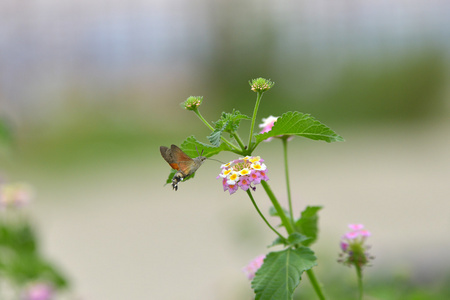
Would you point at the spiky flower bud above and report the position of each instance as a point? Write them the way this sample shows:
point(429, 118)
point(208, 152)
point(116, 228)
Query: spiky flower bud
point(192, 103)
point(261, 85)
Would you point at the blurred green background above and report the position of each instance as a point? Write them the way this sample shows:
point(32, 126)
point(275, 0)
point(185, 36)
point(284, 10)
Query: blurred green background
point(91, 89)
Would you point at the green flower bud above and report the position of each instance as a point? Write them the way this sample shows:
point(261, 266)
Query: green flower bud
point(192, 103)
point(261, 85)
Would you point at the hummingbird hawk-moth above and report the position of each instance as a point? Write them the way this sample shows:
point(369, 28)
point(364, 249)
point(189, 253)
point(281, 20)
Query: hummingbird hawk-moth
point(180, 161)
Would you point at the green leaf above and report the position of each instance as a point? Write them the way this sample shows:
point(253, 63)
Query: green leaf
point(20, 237)
point(229, 122)
point(281, 272)
point(214, 137)
point(278, 241)
point(193, 147)
point(307, 224)
point(296, 239)
point(23, 268)
point(297, 123)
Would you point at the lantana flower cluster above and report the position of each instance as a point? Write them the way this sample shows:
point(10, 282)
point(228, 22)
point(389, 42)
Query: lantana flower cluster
point(354, 249)
point(243, 173)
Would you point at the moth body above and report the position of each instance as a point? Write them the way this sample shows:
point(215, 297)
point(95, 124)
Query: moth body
point(180, 161)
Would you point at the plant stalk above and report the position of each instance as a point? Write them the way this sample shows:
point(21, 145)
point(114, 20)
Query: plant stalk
point(249, 193)
point(360, 281)
point(288, 186)
point(255, 111)
point(315, 284)
point(284, 220)
point(238, 140)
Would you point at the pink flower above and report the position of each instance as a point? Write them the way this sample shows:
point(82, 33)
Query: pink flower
point(365, 233)
point(355, 226)
point(354, 249)
point(267, 125)
point(38, 291)
point(351, 235)
point(253, 266)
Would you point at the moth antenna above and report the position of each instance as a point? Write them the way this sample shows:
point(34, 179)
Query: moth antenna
point(215, 160)
point(197, 150)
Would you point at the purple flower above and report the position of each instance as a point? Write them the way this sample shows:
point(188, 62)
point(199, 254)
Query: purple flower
point(263, 175)
point(243, 173)
point(225, 185)
point(244, 182)
point(232, 188)
point(344, 246)
point(255, 177)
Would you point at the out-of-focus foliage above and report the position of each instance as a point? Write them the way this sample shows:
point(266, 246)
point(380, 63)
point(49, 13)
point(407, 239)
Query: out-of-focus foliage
point(383, 286)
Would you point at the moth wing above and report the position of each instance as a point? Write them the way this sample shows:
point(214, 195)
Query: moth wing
point(168, 156)
point(183, 161)
point(166, 153)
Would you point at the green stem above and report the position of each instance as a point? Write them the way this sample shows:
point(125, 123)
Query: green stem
point(360, 281)
point(284, 220)
point(199, 115)
point(238, 140)
point(315, 284)
point(288, 186)
point(262, 216)
point(255, 111)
